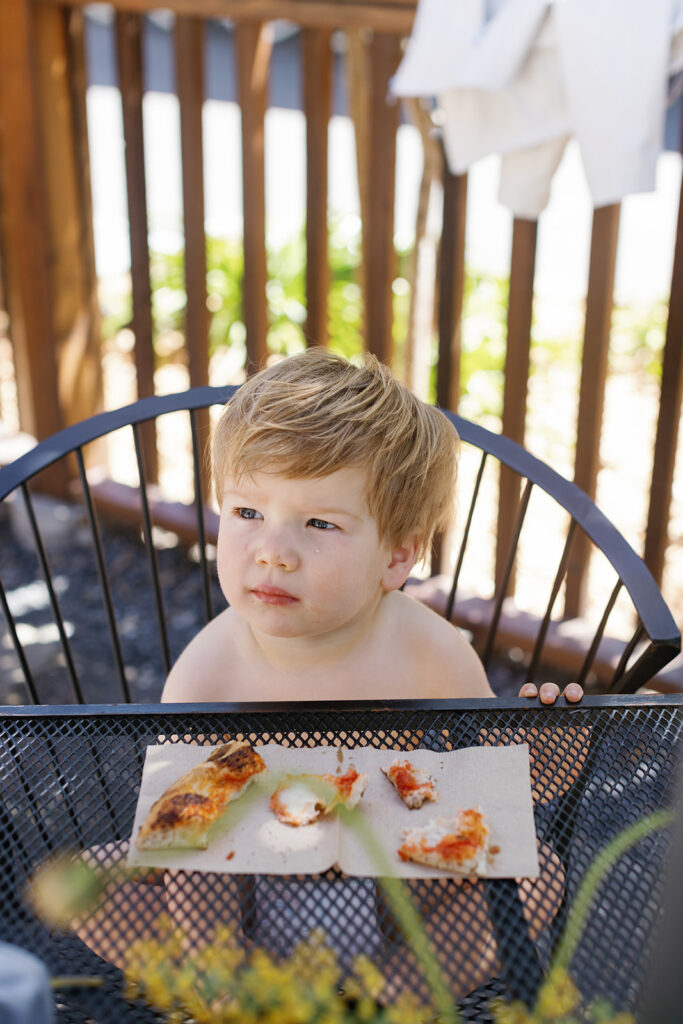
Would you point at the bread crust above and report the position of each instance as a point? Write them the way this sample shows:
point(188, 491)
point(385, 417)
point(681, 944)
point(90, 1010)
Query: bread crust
point(183, 815)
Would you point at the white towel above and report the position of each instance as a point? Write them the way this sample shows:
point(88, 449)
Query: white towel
point(519, 77)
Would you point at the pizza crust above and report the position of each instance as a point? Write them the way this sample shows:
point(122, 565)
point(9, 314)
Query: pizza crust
point(183, 815)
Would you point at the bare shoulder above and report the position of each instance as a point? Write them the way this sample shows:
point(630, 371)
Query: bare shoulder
point(449, 665)
point(201, 671)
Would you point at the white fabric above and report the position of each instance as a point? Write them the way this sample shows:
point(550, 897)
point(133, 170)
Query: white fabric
point(519, 77)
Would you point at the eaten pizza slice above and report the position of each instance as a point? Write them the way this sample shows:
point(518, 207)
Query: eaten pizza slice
point(302, 799)
point(459, 844)
point(183, 815)
point(413, 785)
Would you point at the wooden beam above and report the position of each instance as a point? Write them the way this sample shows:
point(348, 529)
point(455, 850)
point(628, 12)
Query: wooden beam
point(599, 303)
point(517, 357)
point(253, 45)
point(380, 15)
point(317, 87)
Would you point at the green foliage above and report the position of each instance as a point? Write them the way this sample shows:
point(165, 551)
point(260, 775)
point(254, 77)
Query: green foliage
point(221, 983)
point(636, 343)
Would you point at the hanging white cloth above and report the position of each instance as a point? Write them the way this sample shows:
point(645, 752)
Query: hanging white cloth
point(520, 77)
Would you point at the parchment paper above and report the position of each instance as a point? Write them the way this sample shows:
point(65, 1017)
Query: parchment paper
point(250, 840)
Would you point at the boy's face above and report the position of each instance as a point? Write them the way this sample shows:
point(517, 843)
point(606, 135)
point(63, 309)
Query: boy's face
point(302, 558)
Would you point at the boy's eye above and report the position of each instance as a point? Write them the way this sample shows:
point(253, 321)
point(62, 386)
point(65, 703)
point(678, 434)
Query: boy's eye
point(321, 524)
point(247, 513)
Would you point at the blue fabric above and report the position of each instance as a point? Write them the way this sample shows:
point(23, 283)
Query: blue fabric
point(25, 994)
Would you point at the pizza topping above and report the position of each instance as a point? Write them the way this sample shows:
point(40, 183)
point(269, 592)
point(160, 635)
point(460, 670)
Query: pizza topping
point(302, 799)
point(413, 785)
point(458, 844)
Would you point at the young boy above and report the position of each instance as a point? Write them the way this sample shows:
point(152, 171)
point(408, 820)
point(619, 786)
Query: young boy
point(332, 479)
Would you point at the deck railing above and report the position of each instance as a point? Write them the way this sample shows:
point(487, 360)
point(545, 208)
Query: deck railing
point(48, 266)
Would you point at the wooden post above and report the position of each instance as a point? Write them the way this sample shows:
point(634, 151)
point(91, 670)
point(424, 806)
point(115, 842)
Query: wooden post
point(520, 305)
point(25, 229)
point(73, 288)
point(317, 76)
point(599, 302)
point(253, 46)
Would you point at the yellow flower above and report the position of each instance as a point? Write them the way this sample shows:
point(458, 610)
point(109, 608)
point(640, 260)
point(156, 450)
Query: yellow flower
point(510, 1013)
point(557, 997)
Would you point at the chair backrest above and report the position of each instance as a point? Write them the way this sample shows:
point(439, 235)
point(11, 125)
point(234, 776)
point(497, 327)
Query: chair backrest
point(117, 620)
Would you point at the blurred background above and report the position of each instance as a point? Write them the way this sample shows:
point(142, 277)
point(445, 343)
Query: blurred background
point(184, 197)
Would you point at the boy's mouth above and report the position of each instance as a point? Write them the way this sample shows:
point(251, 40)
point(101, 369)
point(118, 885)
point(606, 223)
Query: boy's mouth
point(273, 595)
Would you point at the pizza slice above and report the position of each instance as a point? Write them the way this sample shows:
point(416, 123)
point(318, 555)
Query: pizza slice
point(413, 785)
point(302, 799)
point(459, 844)
point(182, 816)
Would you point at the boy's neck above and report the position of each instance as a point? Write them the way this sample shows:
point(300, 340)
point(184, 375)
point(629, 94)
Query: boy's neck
point(325, 651)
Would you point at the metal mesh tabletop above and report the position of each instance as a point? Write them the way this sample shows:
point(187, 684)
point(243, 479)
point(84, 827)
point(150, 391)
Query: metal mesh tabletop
point(71, 777)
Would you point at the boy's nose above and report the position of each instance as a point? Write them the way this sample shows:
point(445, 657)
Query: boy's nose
point(277, 553)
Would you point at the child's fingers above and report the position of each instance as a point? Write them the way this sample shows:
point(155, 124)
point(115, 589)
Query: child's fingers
point(547, 694)
point(529, 690)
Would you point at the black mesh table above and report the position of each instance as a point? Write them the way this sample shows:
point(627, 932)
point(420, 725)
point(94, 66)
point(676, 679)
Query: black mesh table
point(71, 777)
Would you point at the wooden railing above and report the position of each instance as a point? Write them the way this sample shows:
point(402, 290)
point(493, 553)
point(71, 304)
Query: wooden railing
point(47, 234)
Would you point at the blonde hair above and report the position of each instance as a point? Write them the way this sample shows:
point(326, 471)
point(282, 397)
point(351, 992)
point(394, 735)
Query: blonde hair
point(314, 413)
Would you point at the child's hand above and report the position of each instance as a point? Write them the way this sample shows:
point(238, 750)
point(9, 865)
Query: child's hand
point(549, 692)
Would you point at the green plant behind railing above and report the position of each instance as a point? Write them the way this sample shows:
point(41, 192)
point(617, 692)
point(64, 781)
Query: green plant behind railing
point(637, 336)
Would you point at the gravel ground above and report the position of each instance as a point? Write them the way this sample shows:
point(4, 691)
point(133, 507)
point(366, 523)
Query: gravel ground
point(79, 595)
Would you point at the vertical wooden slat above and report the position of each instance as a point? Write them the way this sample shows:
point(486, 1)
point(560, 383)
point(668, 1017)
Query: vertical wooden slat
point(358, 84)
point(26, 243)
point(599, 303)
point(129, 57)
point(522, 266)
point(317, 81)
point(189, 40)
point(78, 85)
point(671, 395)
point(380, 258)
point(451, 288)
point(253, 45)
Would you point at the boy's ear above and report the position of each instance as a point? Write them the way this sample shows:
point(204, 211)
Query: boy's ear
point(403, 559)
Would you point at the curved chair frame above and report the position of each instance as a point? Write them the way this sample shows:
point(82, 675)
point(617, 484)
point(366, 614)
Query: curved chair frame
point(655, 622)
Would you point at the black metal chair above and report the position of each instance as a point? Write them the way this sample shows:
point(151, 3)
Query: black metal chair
point(48, 656)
